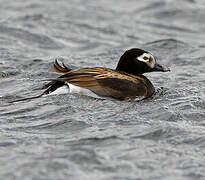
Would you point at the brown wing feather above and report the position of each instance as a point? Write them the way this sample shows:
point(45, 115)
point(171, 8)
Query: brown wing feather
point(107, 82)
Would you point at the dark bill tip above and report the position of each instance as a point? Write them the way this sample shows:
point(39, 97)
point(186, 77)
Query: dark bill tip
point(165, 69)
point(161, 68)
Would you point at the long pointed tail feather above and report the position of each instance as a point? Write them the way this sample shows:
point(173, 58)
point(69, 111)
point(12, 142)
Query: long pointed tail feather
point(61, 69)
point(28, 98)
point(51, 86)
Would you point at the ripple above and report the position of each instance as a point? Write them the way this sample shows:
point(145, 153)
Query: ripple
point(156, 134)
point(42, 41)
point(167, 44)
point(6, 144)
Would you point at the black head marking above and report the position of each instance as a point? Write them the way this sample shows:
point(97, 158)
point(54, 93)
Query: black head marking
point(129, 62)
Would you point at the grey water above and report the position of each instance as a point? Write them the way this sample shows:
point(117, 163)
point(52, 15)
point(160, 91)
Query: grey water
point(80, 138)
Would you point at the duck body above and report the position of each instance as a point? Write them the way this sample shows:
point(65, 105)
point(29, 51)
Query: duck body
point(125, 82)
point(103, 82)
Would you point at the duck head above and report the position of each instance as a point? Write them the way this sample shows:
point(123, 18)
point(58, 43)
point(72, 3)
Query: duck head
point(137, 61)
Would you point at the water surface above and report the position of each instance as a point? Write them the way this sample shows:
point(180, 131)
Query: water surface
point(76, 137)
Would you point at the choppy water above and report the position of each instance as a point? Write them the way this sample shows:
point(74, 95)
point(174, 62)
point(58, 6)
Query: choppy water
point(78, 138)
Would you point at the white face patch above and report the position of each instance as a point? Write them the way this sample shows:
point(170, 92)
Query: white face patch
point(148, 59)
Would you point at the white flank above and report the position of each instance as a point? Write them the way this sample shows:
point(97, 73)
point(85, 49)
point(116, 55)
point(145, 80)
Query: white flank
point(61, 90)
point(75, 89)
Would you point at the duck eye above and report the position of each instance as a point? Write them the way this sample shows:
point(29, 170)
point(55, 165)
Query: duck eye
point(145, 58)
